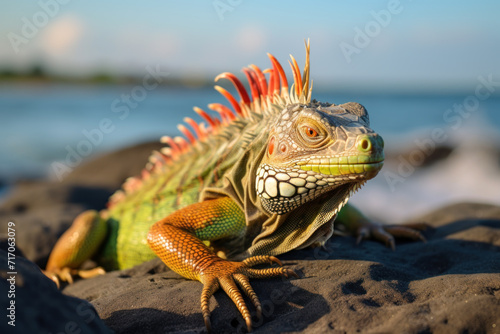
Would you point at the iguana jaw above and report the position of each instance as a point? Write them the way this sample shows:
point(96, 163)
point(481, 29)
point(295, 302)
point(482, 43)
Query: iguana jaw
point(283, 190)
point(353, 166)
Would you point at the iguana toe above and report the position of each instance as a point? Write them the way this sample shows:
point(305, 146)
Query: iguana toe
point(262, 259)
point(209, 289)
point(66, 274)
point(91, 272)
point(229, 275)
point(405, 232)
point(244, 284)
point(60, 275)
point(388, 233)
point(53, 276)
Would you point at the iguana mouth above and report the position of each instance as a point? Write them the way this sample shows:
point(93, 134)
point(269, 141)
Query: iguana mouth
point(351, 165)
point(354, 170)
point(282, 190)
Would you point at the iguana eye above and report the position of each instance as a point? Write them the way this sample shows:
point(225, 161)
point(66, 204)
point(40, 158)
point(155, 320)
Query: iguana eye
point(310, 132)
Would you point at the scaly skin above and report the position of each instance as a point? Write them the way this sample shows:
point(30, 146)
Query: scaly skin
point(268, 177)
point(176, 240)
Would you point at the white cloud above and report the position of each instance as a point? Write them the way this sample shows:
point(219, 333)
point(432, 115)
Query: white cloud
point(61, 35)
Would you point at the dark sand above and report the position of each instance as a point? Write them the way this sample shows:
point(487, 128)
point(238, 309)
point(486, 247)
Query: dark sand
point(451, 284)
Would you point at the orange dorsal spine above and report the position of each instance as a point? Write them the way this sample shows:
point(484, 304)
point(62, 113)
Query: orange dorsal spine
point(263, 93)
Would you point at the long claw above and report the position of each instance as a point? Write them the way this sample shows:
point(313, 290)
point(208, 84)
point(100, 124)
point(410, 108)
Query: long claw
point(270, 272)
point(380, 234)
point(244, 283)
point(91, 272)
point(405, 232)
point(363, 233)
point(261, 259)
point(388, 233)
point(229, 286)
point(275, 260)
point(208, 324)
point(209, 289)
point(65, 275)
point(53, 277)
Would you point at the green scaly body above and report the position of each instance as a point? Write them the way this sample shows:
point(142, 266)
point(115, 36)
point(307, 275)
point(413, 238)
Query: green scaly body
point(174, 188)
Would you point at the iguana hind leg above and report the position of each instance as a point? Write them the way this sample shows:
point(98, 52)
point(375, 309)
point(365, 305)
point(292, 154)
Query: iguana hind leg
point(76, 245)
point(356, 223)
point(176, 239)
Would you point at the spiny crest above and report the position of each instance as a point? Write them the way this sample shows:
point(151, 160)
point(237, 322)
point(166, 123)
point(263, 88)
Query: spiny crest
point(267, 96)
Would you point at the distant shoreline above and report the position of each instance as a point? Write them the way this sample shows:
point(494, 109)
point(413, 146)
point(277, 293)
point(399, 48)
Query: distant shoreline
point(99, 79)
point(38, 76)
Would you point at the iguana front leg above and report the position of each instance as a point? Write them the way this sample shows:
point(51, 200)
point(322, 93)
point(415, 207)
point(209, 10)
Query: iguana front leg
point(176, 239)
point(357, 224)
point(75, 246)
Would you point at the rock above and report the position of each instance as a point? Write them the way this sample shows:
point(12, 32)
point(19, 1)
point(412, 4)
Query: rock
point(43, 210)
point(450, 284)
point(35, 305)
point(110, 170)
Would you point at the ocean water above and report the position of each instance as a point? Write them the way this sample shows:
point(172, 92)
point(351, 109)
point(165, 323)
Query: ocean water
point(42, 124)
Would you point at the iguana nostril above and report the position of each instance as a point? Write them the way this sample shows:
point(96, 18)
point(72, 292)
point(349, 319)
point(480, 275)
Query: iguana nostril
point(365, 145)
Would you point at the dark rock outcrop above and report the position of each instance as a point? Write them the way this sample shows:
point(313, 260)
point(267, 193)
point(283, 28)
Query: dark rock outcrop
point(450, 284)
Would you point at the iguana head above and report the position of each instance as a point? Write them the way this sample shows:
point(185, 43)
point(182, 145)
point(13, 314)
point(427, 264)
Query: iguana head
point(316, 150)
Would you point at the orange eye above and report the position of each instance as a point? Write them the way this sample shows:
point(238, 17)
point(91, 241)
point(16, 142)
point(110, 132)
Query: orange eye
point(310, 132)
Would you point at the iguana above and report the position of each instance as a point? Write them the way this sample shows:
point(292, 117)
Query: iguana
point(269, 176)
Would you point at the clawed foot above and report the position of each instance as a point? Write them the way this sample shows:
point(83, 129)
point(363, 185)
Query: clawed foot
point(386, 233)
point(229, 275)
point(66, 274)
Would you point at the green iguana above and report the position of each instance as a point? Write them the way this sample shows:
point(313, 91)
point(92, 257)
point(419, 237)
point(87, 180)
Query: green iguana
point(268, 177)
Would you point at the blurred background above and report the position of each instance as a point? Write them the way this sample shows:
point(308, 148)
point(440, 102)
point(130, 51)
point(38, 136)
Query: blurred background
point(82, 78)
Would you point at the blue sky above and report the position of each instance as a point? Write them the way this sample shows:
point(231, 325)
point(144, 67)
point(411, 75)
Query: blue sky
point(420, 44)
